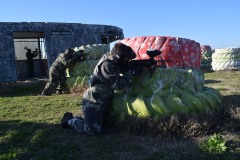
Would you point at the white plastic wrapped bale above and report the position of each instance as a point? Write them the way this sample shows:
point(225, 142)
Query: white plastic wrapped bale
point(226, 59)
point(95, 51)
point(83, 68)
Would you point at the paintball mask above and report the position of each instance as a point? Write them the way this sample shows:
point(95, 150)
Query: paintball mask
point(70, 51)
point(121, 52)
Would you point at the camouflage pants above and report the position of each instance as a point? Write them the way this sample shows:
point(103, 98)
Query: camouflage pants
point(95, 106)
point(56, 80)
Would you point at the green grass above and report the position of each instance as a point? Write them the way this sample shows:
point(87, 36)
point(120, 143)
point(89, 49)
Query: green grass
point(29, 128)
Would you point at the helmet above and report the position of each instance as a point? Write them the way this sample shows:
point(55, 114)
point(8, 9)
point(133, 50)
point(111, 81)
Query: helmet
point(121, 51)
point(69, 51)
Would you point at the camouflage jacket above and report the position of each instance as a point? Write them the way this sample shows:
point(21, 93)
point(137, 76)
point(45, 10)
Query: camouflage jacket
point(62, 62)
point(110, 74)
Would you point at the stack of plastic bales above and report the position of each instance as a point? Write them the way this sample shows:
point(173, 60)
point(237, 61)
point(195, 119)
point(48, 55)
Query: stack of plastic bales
point(79, 74)
point(226, 59)
point(206, 52)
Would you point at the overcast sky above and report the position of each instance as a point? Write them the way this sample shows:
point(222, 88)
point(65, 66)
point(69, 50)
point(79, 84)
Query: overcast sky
point(209, 22)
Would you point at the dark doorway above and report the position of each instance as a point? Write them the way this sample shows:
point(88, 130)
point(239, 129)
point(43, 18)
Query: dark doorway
point(30, 55)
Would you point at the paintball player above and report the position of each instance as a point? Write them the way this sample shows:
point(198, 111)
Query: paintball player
point(111, 72)
point(30, 55)
point(57, 71)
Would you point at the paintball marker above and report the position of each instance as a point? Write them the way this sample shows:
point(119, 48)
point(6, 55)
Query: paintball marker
point(80, 55)
point(137, 65)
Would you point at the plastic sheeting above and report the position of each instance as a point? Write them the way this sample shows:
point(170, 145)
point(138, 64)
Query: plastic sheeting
point(226, 59)
point(206, 52)
point(183, 53)
point(167, 91)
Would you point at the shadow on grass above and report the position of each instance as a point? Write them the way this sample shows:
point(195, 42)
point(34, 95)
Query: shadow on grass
point(231, 115)
point(206, 70)
point(29, 88)
point(211, 81)
point(26, 140)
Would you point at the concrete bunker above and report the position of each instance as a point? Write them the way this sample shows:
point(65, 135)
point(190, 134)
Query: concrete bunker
point(47, 40)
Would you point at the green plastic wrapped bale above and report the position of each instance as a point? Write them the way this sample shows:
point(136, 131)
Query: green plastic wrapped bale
point(164, 92)
point(204, 99)
point(147, 85)
point(192, 102)
point(155, 86)
point(119, 104)
point(198, 79)
point(144, 84)
point(215, 91)
point(136, 86)
point(83, 68)
point(78, 81)
point(169, 91)
point(138, 90)
point(146, 79)
point(130, 109)
point(175, 90)
point(164, 77)
point(175, 104)
point(79, 69)
point(173, 73)
point(215, 98)
point(85, 81)
point(139, 107)
point(70, 82)
point(155, 115)
point(190, 80)
point(185, 80)
point(159, 106)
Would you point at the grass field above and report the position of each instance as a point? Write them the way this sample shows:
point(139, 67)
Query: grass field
point(29, 128)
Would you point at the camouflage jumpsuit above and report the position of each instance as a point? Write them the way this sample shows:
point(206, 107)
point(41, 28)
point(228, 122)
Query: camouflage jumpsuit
point(106, 77)
point(57, 72)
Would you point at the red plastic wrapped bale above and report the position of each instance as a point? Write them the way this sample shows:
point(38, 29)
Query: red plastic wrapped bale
point(182, 52)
